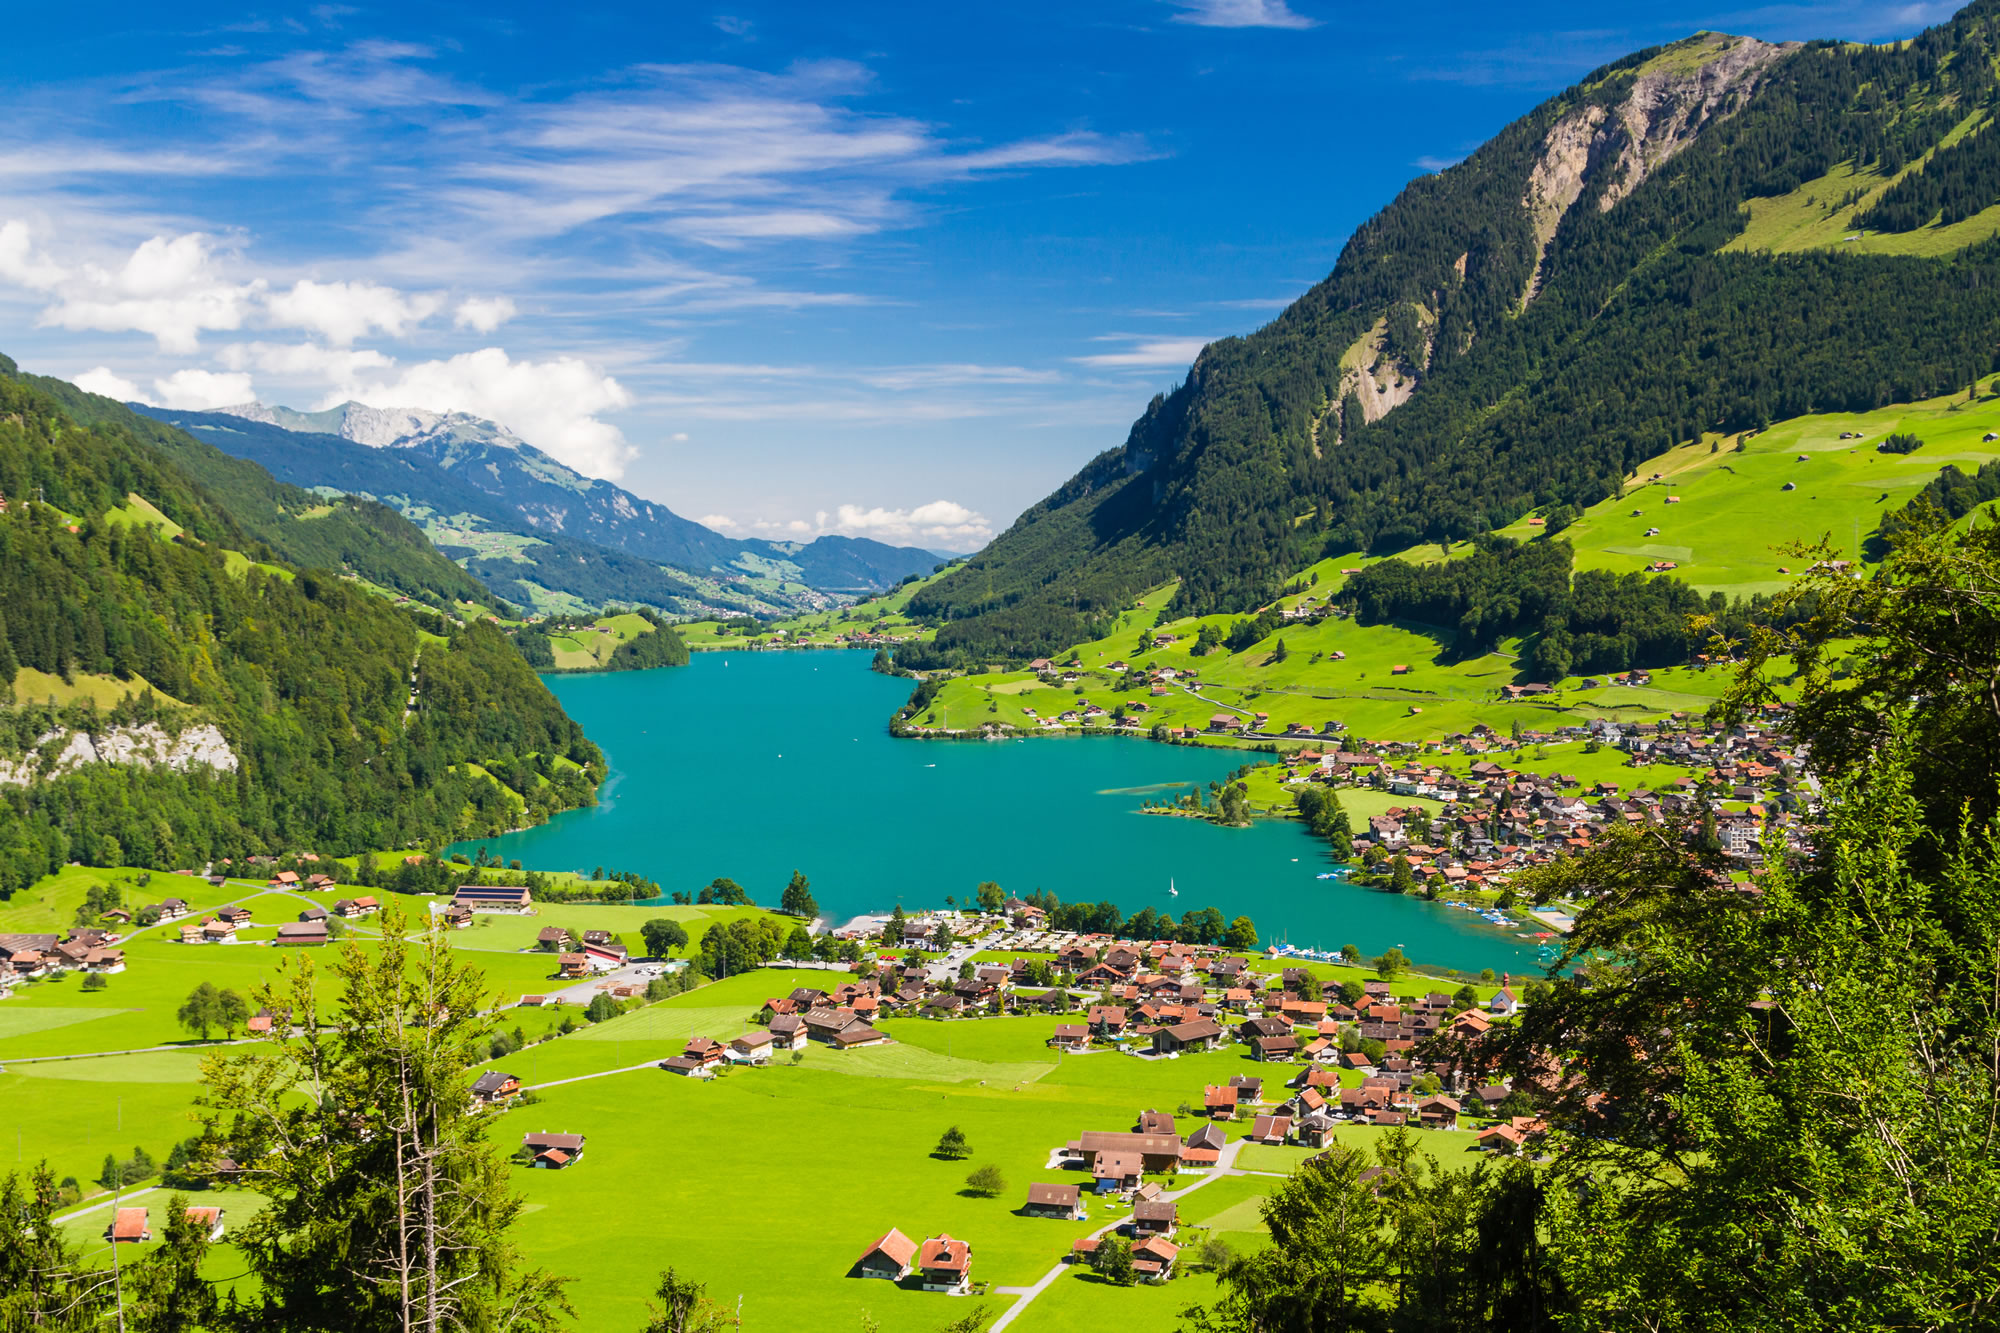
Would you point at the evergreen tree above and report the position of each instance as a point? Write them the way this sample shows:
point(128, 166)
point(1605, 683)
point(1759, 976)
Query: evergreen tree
point(797, 899)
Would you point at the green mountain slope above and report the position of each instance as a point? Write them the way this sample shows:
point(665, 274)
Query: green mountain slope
point(281, 521)
point(1526, 328)
point(169, 702)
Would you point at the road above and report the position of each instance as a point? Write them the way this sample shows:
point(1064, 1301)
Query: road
point(1225, 1165)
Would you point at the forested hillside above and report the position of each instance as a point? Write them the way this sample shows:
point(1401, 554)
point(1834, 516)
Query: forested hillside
point(349, 723)
point(360, 537)
point(1523, 329)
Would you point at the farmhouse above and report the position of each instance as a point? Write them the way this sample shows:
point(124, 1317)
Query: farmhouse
point(1153, 1259)
point(788, 1032)
point(553, 1151)
point(302, 932)
point(1203, 1034)
point(209, 1220)
point(494, 898)
point(128, 1225)
point(1147, 1152)
point(888, 1257)
point(945, 1265)
point(493, 1088)
point(1060, 1201)
point(752, 1048)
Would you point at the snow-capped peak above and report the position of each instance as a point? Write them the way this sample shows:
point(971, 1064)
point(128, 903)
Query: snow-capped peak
point(382, 427)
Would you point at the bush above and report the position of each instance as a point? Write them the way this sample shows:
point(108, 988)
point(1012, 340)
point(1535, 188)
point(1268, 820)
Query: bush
point(95, 981)
point(986, 1181)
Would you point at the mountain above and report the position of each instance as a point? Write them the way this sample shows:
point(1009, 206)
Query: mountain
point(272, 519)
point(1700, 238)
point(173, 689)
point(588, 540)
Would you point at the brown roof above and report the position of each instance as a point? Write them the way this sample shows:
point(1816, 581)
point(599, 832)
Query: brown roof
point(567, 1142)
point(1155, 1210)
point(894, 1246)
point(1056, 1196)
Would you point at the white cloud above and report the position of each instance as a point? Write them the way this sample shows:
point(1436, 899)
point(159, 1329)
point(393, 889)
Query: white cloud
point(734, 26)
point(680, 437)
point(203, 390)
point(1146, 353)
point(344, 311)
point(553, 404)
point(1240, 14)
point(101, 380)
point(940, 523)
point(717, 521)
point(336, 365)
point(483, 314)
point(169, 288)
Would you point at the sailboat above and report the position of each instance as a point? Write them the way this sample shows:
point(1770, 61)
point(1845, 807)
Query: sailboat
point(1172, 892)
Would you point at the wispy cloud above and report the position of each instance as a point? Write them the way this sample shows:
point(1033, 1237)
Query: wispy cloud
point(1145, 353)
point(1240, 14)
point(1428, 163)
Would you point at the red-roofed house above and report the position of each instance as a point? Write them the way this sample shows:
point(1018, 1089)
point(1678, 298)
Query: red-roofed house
point(888, 1257)
point(945, 1264)
point(128, 1224)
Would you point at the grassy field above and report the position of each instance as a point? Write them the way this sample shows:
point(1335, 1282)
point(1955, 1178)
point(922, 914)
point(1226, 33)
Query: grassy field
point(589, 649)
point(40, 687)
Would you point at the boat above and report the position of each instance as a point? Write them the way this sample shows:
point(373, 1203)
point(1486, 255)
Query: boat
point(1172, 892)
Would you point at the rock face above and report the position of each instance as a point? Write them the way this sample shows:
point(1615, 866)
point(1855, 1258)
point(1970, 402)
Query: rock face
point(148, 746)
point(1670, 103)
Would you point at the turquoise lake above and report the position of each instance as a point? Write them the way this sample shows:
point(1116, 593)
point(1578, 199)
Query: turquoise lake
point(753, 764)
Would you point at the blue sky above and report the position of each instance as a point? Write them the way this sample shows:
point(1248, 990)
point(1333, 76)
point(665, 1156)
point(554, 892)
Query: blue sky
point(889, 270)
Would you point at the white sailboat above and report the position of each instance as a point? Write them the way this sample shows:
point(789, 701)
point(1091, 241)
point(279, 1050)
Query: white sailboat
point(1172, 892)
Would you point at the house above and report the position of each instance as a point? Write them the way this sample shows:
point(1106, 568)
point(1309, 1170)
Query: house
point(1503, 1003)
point(887, 1258)
point(218, 932)
point(285, 879)
point(1156, 1122)
point(825, 1022)
point(1203, 1034)
point(705, 1051)
point(553, 1152)
point(1138, 1153)
point(788, 1032)
point(1070, 1037)
point(944, 1264)
point(1153, 1259)
point(1502, 1139)
point(1106, 1020)
point(854, 1038)
point(302, 932)
point(552, 938)
point(1154, 1217)
point(1438, 1113)
point(313, 913)
point(129, 1225)
point(173, 909)
point(1219, 1102)
point(686, 1066)
point(1203, 1149)
point(493, 1087)
point(1271, 1129)
point(1059, 1201)
point(209, 1220)
point(359, 907)
point(235, 916)
point(191, 933)
point(752, 1048)
point(105, 960)
point(1275, 1048)
point(495, 898)
point(573, 965)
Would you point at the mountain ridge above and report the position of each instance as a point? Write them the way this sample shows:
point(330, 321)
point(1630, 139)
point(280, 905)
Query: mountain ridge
point(1522, 329)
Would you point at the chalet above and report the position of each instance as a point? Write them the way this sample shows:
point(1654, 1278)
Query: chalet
point(752, 1048)
point(313, 913)
point(1225, 722)
point(1156, 1122)
point(1438, 1113)
point(209, 1220)
point(553, 1152)
point(1058, 1201)
point(1203, 1149)
point(494, 898)
point(1315, 1131)
point(285, 879)
point(1274, 1129)
point(218, 932)
point(705, 1051)
point(1274, 1048)
point(552, 938)
point(1153, 1259)
point(686, 1066)
point(1219, 1102)
point(105, 960)
point(573, 965)
point(1502, 1139)
point(944, 1264)
point(1143, 1152)
point(191, 933)
point(456, 917)
point(128, 1225)
point(302, 932)
point(235, 916)
point(887, 1258)
point(597, 937)
point(788, 1032)
point(173, 909)
point(1070, 1037)
point(824, 1023)
point(1252, 1028)
point(854, 1038)
point(1106, 1020)
point(1203, 1034)
point(1155, 1217)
